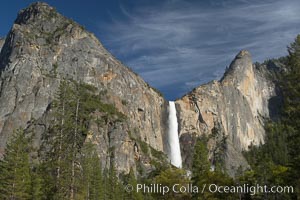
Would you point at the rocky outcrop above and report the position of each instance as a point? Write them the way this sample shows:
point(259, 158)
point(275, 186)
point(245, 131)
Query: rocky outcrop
point(2, 40)
point(43, 48)
point(233, 108)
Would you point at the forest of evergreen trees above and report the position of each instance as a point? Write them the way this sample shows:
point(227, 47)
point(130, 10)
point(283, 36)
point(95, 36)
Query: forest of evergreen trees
point(70, 168)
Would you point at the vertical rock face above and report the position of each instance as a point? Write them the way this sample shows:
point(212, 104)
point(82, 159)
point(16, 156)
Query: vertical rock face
point(233, 108)
point(43, 48)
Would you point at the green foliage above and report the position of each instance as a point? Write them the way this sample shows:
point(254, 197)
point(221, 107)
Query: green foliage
point(201, 164)
point(68, 161)
point(139, 167)
point(218, 137)
point(54, 70)
point(201, 173)
point(15, 172)
point(37, 182)
point(277, 161)
point(91, 183)
point(157, 154)
point(158, 92)
point(275, 148)
point(72, 168)
point(114, 188)
point(131, 180)
point(291, 92)
point(170, 177)
point(144, 146)
point(159, 167)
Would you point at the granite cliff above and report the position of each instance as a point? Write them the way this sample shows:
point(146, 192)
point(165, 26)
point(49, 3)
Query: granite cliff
point(43, 48)
point(231, 112)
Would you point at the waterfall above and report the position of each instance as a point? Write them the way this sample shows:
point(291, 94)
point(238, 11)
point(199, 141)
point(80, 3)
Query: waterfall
point(174, 153)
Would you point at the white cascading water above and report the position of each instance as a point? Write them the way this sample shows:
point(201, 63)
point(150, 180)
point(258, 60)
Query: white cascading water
point(174, 154)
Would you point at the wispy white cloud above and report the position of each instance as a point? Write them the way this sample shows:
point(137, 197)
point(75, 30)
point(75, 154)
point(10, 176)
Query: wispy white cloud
point(176, 45)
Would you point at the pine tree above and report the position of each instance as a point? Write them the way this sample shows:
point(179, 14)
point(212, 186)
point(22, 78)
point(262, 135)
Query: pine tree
point(96, 183)
point(170, 177)
point(291, 92)
point(92, 181)
point(202, 175)
point(200, 166)
point(114, 188)
point(130, 179)
point(66, 137)
point(57, 162)
point(15, 172)
point(37, 182)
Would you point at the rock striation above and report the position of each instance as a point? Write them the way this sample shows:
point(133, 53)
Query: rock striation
point(42, 49)
point(231, 111)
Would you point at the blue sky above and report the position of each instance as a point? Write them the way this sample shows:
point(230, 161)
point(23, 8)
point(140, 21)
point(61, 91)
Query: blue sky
point(176, 45)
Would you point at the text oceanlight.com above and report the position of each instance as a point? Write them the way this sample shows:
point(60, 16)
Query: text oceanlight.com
point(212, 188)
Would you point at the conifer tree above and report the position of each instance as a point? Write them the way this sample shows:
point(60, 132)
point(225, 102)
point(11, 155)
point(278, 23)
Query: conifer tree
point(15, 172)
point(57, 162)
point(92, 181)
point(66, 137)
point(114, 189)
point(170, 177)
point(200, 166)
point(37, 183)
point(131, 180)
point(291, 92)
